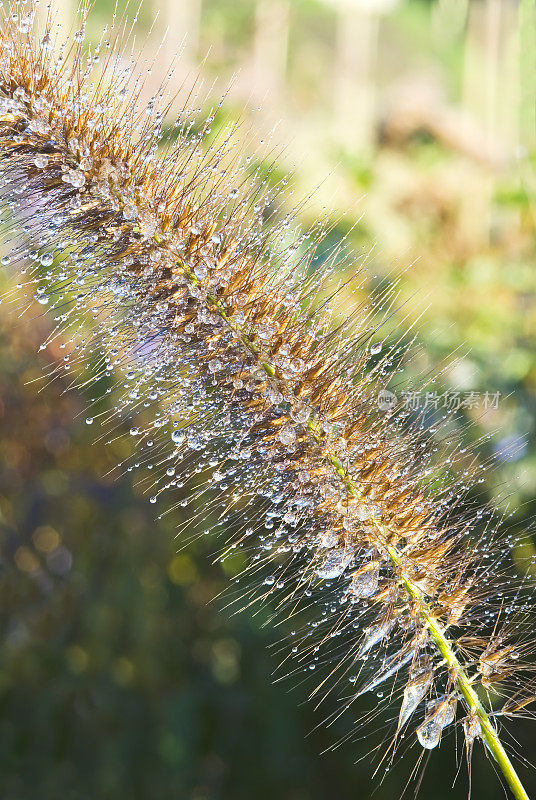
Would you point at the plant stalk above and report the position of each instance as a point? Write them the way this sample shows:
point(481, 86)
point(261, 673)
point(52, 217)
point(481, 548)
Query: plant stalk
point(434, 627)
point(461, 679)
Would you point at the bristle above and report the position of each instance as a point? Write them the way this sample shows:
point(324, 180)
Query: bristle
point(237, 382)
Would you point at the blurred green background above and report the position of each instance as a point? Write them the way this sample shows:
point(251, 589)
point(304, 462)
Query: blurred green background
point(121, 673)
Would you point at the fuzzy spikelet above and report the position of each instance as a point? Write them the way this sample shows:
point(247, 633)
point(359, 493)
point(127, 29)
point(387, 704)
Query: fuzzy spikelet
point(206, 313)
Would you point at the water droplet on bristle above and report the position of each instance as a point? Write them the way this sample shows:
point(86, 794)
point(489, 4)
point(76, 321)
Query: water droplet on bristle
point(364, 582)
point(287, 435)
point(334, 563)
point(414, 692)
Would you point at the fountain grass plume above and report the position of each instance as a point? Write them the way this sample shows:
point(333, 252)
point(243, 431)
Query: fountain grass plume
point(164, 259)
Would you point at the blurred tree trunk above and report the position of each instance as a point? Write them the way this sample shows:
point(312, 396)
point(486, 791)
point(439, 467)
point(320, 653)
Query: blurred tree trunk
point(272, 22)
point(527, 73)
point(491, 83)
point(182, 20)
point(491, 74)
point(353, 79)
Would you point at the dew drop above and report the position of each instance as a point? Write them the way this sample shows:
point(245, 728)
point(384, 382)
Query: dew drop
point(300, 413)
point(334, 563)
point(413, 694)
point(200, 271)
point(429, 733)
point(287, 435)
point(365, 580)
point(442, 714)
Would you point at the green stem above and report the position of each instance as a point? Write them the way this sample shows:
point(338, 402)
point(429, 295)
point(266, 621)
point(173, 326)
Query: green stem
point(434, 627)
point(437, 633)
